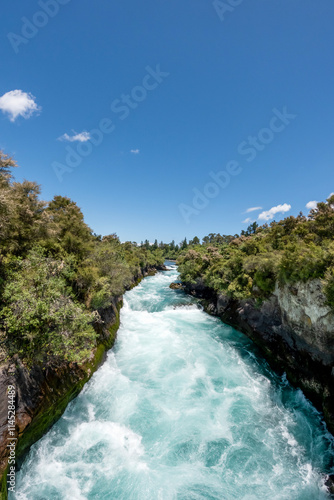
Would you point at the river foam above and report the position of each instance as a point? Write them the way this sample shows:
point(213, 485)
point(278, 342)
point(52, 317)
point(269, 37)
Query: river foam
point(184, 408)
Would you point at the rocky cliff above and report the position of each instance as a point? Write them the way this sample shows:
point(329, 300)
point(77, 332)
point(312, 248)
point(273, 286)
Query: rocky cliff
point(42, 391)
point(295, 331)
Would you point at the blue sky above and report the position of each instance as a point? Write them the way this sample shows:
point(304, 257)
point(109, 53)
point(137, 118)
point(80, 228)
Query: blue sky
point(243, 92)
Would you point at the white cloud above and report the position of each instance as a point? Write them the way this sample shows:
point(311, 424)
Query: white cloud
point(269, 214)
point(247, 221)
point(330, 195)
point(134, 151)
point(311, 205)
point(252, 209)
point(18, 103)
point(82, 137)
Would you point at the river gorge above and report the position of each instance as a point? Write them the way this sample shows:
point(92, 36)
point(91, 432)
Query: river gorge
point(184, 408)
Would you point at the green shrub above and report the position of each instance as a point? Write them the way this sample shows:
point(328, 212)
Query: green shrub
point(40, 315)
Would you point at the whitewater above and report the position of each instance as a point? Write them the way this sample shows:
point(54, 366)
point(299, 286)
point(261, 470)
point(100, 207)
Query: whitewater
point(184, 408)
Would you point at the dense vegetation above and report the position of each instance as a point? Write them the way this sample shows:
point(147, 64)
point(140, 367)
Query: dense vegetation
point(294, 249)
point(56, 276)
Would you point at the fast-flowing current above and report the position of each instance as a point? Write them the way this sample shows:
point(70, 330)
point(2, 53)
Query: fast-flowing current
point(184, 408)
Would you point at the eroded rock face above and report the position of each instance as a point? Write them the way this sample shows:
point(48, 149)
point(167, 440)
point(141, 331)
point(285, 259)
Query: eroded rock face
point(294, 329)
point(305, 313)
point(38, 391)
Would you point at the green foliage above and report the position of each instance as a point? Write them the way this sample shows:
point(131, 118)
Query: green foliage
point(40, 313)
point(328, 284)
point(22, 216)
point(263, 267)
point(291, 250)
point(68, 229)
point(250, 230)
point(301, 262)
point(6, 163)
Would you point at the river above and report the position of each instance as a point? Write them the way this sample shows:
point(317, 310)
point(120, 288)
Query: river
point(184, 408)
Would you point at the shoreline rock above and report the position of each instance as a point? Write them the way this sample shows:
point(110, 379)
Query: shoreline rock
point(176, 286)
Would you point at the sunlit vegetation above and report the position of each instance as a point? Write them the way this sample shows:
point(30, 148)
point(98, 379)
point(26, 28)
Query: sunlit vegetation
point(56, 275)
point(250, 265)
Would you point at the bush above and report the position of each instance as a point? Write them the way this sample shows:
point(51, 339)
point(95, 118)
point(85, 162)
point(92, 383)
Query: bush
point(40, 315)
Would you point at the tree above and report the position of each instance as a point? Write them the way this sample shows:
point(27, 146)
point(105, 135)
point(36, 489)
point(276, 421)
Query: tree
point(183, 244)
point(68, 226)
point(6, 163)
point(322, 218)
point(250, 230)
point(194, 241)
point(111, 238)
point(22, 221)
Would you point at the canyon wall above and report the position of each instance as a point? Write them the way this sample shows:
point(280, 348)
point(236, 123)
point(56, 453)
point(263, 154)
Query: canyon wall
point(295, 331)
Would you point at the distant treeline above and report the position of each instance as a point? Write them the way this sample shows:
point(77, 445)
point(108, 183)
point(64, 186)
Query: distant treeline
point(173, 250)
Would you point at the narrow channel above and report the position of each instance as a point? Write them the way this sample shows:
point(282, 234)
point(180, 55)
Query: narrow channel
point(184, 408)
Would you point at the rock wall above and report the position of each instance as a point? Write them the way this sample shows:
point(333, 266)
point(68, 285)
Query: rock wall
point(295, 331)
point(304, 312)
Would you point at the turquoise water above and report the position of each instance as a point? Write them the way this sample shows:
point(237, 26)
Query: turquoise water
point(184, 408)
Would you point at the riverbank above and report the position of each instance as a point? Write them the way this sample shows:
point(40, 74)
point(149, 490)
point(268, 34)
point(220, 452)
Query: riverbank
point(43, 390)
point(294, 330)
